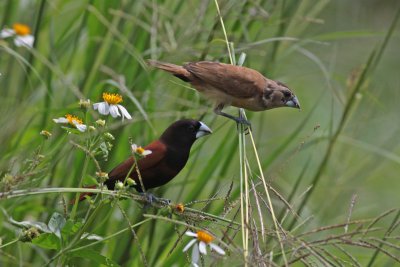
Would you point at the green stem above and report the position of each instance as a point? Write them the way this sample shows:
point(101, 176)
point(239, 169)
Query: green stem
point(78, 236)
point(9, 243)
point(110, 236)
point(84, 171)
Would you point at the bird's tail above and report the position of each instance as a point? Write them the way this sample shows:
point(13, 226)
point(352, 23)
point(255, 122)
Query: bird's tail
point(175, 70)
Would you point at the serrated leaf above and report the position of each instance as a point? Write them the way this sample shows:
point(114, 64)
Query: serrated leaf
point(70, 228)
point(48, 241)
point(94, 256)
point(56, 223)
point(104, 150)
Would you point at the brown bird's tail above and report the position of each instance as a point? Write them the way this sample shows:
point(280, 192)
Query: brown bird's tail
point(177, 71)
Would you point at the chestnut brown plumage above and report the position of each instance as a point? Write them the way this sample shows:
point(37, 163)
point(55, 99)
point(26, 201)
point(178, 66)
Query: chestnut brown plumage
point(232, 85)
point(169, 155)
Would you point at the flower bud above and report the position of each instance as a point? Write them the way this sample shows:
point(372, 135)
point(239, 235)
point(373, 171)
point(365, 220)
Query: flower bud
point(119, 185)
point(29, 234)
point(180, 207)
point(85, 104)
point(130, 182)
point(109, 136)
point(45, 133)
point(101, 123)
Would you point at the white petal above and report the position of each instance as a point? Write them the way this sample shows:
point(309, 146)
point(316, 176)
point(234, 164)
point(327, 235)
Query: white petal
point(217, 249)
point(134, 147)
point(61, 120)
point(124, 112)
point(80, 127)
point(26, 40)
point(114, 111)
point(189, 245)
point(147, 152)
point(188, 233)
point(103, 108)
point(202, 248)
point(5, 33)
point(195, 254)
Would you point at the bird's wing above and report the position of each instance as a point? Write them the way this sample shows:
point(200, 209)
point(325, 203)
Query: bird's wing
point(119, 173)
point(158, 152)
point(236, 81)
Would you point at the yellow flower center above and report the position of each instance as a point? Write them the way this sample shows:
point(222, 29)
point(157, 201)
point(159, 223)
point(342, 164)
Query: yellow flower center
point(72, 118)
point(205, 237)
point(140, 150)
point(21, 29)
point(112, 99)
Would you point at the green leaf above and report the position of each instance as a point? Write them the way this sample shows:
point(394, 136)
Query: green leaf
point(94, 256)
point(89, 180)
point(47, 240)
point(70, 228)
point(56, 223)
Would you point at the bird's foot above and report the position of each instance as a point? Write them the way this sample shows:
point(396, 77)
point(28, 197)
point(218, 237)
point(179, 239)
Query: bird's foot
point(242, 120)
point(150, 199)
point(247, 125)
point(239, 120)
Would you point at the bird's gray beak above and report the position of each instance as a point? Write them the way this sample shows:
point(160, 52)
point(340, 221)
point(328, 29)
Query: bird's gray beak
point(294, 102)
point(203, 130)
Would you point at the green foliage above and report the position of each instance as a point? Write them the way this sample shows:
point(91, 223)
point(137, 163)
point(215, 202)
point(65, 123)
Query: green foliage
point(327, 191)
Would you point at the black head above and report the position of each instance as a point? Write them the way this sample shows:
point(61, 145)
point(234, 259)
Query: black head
point(184, 132)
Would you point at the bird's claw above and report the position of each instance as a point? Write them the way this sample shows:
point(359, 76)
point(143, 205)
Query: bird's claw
point(150, 199)
point(246, 123)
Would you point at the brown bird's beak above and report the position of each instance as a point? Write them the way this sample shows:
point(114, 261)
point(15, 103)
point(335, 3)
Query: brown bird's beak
point(203, 130)
point(294, 102)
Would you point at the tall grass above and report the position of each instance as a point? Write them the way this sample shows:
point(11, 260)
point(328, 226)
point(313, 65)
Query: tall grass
point(316, 187)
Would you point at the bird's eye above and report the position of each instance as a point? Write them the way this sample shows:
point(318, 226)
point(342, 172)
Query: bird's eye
point(191, 128)
point(287, 93)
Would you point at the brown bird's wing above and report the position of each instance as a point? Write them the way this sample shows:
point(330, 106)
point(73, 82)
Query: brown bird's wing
point(236, 81)
point(120, 172)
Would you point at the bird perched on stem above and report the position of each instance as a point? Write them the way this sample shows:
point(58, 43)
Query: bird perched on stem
point(230, 85)
point(166, 157)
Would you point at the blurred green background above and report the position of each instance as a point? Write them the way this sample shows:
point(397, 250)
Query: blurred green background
point(318, 48)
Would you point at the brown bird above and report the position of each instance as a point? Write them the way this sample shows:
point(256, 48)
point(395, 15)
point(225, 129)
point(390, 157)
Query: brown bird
point(230, 85)
point(169, 155)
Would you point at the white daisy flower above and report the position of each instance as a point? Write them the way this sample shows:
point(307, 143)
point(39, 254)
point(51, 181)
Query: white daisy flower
point(140, 150)
point(21, 34)
point(200, 242)
point(73, 120)
point(111, 106)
